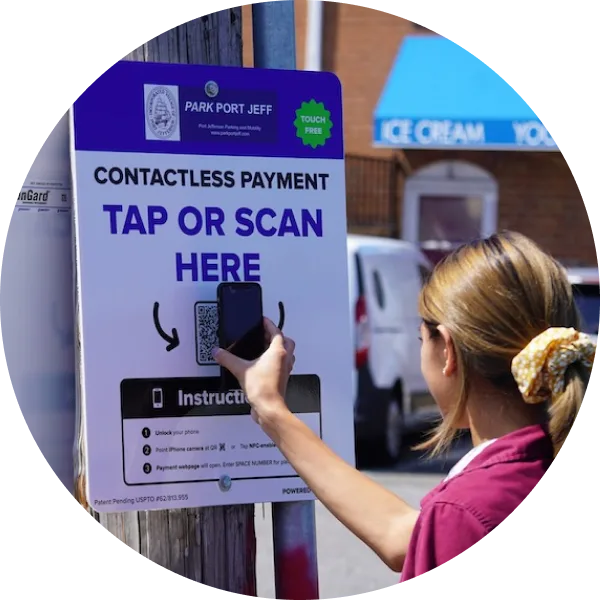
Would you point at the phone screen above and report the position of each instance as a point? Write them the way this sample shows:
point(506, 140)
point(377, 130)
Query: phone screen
point(241, 320)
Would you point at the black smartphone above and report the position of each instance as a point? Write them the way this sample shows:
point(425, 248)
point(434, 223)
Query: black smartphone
point(241, 328)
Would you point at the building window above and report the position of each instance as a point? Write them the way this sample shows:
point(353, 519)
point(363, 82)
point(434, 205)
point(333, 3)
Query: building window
point(453, 219)
point(449, 203)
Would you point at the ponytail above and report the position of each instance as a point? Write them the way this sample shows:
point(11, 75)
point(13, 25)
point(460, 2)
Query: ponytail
point(564, 407)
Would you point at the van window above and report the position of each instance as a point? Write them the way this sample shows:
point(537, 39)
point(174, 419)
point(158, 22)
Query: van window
point(378, 287)
point(587, 298)
point(425, 273)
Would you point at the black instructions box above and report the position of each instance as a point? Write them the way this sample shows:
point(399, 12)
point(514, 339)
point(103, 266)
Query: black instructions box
point(188, 429)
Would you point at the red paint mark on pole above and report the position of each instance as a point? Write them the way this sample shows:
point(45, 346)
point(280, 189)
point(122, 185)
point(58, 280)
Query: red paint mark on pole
point(293, 576)
point(295, 548)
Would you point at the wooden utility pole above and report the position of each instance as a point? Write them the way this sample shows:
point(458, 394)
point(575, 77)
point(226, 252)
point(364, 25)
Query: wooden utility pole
point(215, 546)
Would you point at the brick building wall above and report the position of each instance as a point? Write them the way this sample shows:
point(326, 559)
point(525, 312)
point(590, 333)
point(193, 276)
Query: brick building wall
point(537, 196)
point(537, 192)
point(359, 46)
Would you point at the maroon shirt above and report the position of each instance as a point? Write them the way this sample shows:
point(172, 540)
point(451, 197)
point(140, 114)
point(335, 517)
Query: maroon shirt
point(461, 511)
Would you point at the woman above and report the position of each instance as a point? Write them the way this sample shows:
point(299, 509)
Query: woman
point(501, 355)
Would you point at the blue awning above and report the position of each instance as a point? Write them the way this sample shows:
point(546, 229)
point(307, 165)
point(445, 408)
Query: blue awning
point(440, 96)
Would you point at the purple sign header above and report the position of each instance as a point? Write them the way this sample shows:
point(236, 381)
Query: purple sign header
point(207, 110)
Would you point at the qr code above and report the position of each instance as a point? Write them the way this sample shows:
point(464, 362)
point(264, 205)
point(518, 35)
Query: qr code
point(207, 325)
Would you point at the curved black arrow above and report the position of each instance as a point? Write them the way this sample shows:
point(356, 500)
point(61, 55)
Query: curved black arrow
point(281, 316)
point(173, 339)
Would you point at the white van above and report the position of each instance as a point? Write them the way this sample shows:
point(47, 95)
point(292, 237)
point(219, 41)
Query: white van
point(390, 395)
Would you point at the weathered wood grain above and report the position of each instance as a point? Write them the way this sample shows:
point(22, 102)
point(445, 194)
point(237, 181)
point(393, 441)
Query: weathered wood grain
point(214, 39)
point(215, 546)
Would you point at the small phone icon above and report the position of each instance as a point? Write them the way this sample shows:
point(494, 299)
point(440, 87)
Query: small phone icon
point(157, 398)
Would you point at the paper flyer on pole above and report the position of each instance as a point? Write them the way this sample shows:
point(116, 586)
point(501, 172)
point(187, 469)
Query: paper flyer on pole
point(37, 303)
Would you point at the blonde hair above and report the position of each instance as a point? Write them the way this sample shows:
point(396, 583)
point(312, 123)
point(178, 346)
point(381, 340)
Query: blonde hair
point(494, 296)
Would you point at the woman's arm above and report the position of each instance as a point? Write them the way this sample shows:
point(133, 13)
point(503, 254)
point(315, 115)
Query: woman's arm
point(378, 517)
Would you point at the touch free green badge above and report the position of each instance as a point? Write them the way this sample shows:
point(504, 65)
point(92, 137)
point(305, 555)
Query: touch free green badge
point(313, 125)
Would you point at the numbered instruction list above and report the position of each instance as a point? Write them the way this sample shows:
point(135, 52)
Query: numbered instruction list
point(189, 430)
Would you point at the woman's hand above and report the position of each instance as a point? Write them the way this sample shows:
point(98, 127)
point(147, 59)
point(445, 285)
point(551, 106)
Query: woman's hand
point(264, 380)
point(375, 515)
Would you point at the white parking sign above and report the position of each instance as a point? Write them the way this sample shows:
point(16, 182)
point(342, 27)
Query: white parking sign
point(187, 176)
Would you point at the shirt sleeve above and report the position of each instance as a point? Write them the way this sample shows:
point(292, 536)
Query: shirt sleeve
point(442, 532)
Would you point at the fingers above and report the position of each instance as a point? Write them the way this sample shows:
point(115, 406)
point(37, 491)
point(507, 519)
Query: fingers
point(273, 336)
point(271, 331)
point(235, 365)
point(289, 345)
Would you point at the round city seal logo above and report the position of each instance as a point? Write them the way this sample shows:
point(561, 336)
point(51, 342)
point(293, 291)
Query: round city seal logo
point(211, 89)
point(161, 112)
